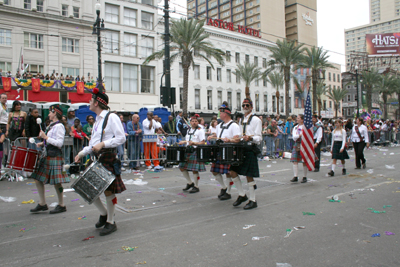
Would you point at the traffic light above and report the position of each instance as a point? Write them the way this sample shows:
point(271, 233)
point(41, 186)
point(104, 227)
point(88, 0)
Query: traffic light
point(167, 97)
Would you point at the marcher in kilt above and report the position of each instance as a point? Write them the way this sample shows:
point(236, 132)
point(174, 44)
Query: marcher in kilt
point(107, 134)
point(252, 133)
point(227, 129)
point(50, 167)
point(195, 136)
point(338, 147)
point(296, 156)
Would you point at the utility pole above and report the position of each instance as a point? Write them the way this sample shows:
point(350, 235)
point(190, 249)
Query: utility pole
point(167, 62)
point(97, 27)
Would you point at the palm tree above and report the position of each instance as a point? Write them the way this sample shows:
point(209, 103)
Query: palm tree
point(385, 86)
point(284, 55)
point(321, 90)
point(336, 95)
point(317, 60)
point(397, 91)
point(189, 40)
point(277, 81)
point(249, 73)
point(369, 79)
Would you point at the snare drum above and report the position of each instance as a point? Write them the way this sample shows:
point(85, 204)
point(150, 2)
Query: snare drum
point(207, 153)
point(176, 154)
point(23, 159)
point(93, 182)
point(231, 154)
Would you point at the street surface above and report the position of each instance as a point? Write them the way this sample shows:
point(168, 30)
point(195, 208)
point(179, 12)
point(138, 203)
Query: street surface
point(168, 228)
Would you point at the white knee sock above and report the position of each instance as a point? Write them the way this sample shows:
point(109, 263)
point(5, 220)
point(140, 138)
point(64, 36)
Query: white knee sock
point(239, 186)
point(59, 190)
point(111, 201)
point(229, 183)
point(220, 180)
point(196, 178)
point(296, 170)
point(252, 191)
point(333, 167)
point(99, 205)
point(305, 169)
point(186, 175)
point(344, 165)
point(40, 189)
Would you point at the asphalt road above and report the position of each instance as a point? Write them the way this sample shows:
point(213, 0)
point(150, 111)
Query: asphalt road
point(168, 228)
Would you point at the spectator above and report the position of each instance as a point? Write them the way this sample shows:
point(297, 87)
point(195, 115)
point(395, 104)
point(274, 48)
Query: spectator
point(57, 76)
point(239, 118)
point(78, 141)
point(2, 138)
point(3, 113)
point(213, 127)
point(121, 148)
point(179, 116)
point(17, 75)
point(135, 132)
point(78, 79)
point(47, 78)
point(79, 133)
point(271, 134)
point(182, 127)
point(16, 121)
point(1, 75)
point(288, 134)
point(66, 147)
point(149, 128)
point(62, 78)
point(201, 123)
point(170, 129)
point(32, 128)
point(52, 77)
point(71, 117)
point(87, 129)
point(280, 146)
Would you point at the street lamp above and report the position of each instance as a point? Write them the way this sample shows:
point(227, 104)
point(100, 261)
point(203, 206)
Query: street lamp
point(358, 98)
point(97, 27)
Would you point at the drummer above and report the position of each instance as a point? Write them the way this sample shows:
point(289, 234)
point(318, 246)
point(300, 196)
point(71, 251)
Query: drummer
point(195, 136)
point(226, 130)
point(251, 133)
point(107, 135)
point(50, 167)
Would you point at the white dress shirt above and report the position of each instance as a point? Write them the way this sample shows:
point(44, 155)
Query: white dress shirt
point(318, 135)
point(363, 131)
point(339, 136)
point(113, 136)
point(146, 125)
point(254, 128)
point(297, 131)
point(3, 115)
point(195, 136)
point(56, 135)
point(233, 130)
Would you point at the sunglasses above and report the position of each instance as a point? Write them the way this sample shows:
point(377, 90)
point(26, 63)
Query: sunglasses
point(246, 105)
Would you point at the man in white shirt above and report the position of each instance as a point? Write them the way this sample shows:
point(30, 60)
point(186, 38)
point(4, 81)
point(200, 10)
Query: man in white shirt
point(318, 133)
point(149, 128)
point(3, 114)
point(359, 137)
point(104, 142)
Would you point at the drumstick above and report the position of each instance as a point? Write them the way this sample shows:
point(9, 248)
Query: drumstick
point(186, 122)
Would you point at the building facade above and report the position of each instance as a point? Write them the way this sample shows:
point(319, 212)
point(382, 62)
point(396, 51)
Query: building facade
point(332, 81)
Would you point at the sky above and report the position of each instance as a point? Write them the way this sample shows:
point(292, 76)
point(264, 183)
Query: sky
point(332, 18)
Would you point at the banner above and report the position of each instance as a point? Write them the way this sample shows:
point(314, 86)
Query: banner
point(6, 83)
point(383, 44)
point(36, 85)
point(80, 88)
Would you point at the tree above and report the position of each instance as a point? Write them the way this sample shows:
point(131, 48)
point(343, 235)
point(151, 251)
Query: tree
point(277, 81)
point(284, 55)
point(385, 86)
point(397, 91)
point(189, 41)
point(317, 60)
point(321, 90)
point(370, 79)
point(249, 73)
point(336, 95)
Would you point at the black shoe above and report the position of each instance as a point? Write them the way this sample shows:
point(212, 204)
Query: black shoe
point(223, 191)
point(108, 229)
point(194, 190)
point(295, 179)
point(250, 205)
point(344, 171)
point(58, 209)
point(102, 221)
point(225, 196)
point(364, 165)
point(40, 208)
point(331, 173)
point(357, 168)
point(188, 186)
point(316, 170)
point(240, 200)
point(304, 180)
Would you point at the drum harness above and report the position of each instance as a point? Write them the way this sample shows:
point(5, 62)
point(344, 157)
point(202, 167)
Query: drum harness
point(190, 149)
point(49, 147)
point(224, 127)
point(252, 147)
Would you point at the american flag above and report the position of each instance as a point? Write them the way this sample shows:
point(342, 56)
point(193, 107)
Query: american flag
point(307, 141)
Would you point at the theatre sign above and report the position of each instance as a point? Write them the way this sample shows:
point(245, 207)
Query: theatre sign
point(229, 26)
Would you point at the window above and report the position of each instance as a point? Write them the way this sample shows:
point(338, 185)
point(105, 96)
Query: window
point(219, 98)
point(147, 20)
point(348, 98)
point(197, 99)
point(256, 82)
point(265, 82)
point(209, 73)
point(111, 42)
point(228, 56)
point(70, 45)
point(238, 1)
point(330, 76)
point(265, 103)
point(273, 103)
point(147, 79)
point(230, 99)
point(264, 63)
point(130, 45)
point(147, 2)
point(209, 99)
point(281, 104)
point(33, 40)
point(324, 105)
point(5, 67)
point(39, 5)
point(112, 76)
point(338, 77)
point(228, 75)
point(181, 97)
point(130, 78)
point(219, 74)
point(147, 46)
point(5, 37)
point(76, 12)
point(196, 72)
point(330, 104)
point(247, 59)
point(64, 10)
point(334, 77)
point(237, 58)
point(237, 79)
point(130, 17)
point(257, 102)
point(238, 102)
point(7, 2)
point(27, 4)
point(180, 70)
point(65, 70)
point(256, 61)
point(112, 13)
point(250, 4)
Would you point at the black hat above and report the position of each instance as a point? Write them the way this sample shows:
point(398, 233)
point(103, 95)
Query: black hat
point(226, 109)
point(57, 109)
point(99, 96)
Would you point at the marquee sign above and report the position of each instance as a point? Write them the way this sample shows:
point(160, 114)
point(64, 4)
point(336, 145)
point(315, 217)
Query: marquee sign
point(383, 44)
point(229, 26)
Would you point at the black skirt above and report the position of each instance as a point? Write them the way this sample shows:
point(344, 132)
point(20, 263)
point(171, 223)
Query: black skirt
point(337, 145)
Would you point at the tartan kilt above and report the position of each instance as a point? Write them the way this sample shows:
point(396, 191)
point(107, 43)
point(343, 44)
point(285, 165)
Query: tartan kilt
point(296, 156)
point(336, 151)
point(191, 163)
point(249, 167)
point(50, 171)
point(108, 160)
point(220, 168)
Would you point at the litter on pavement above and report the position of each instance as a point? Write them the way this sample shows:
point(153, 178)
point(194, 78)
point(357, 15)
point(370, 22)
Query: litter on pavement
point(8, 199)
